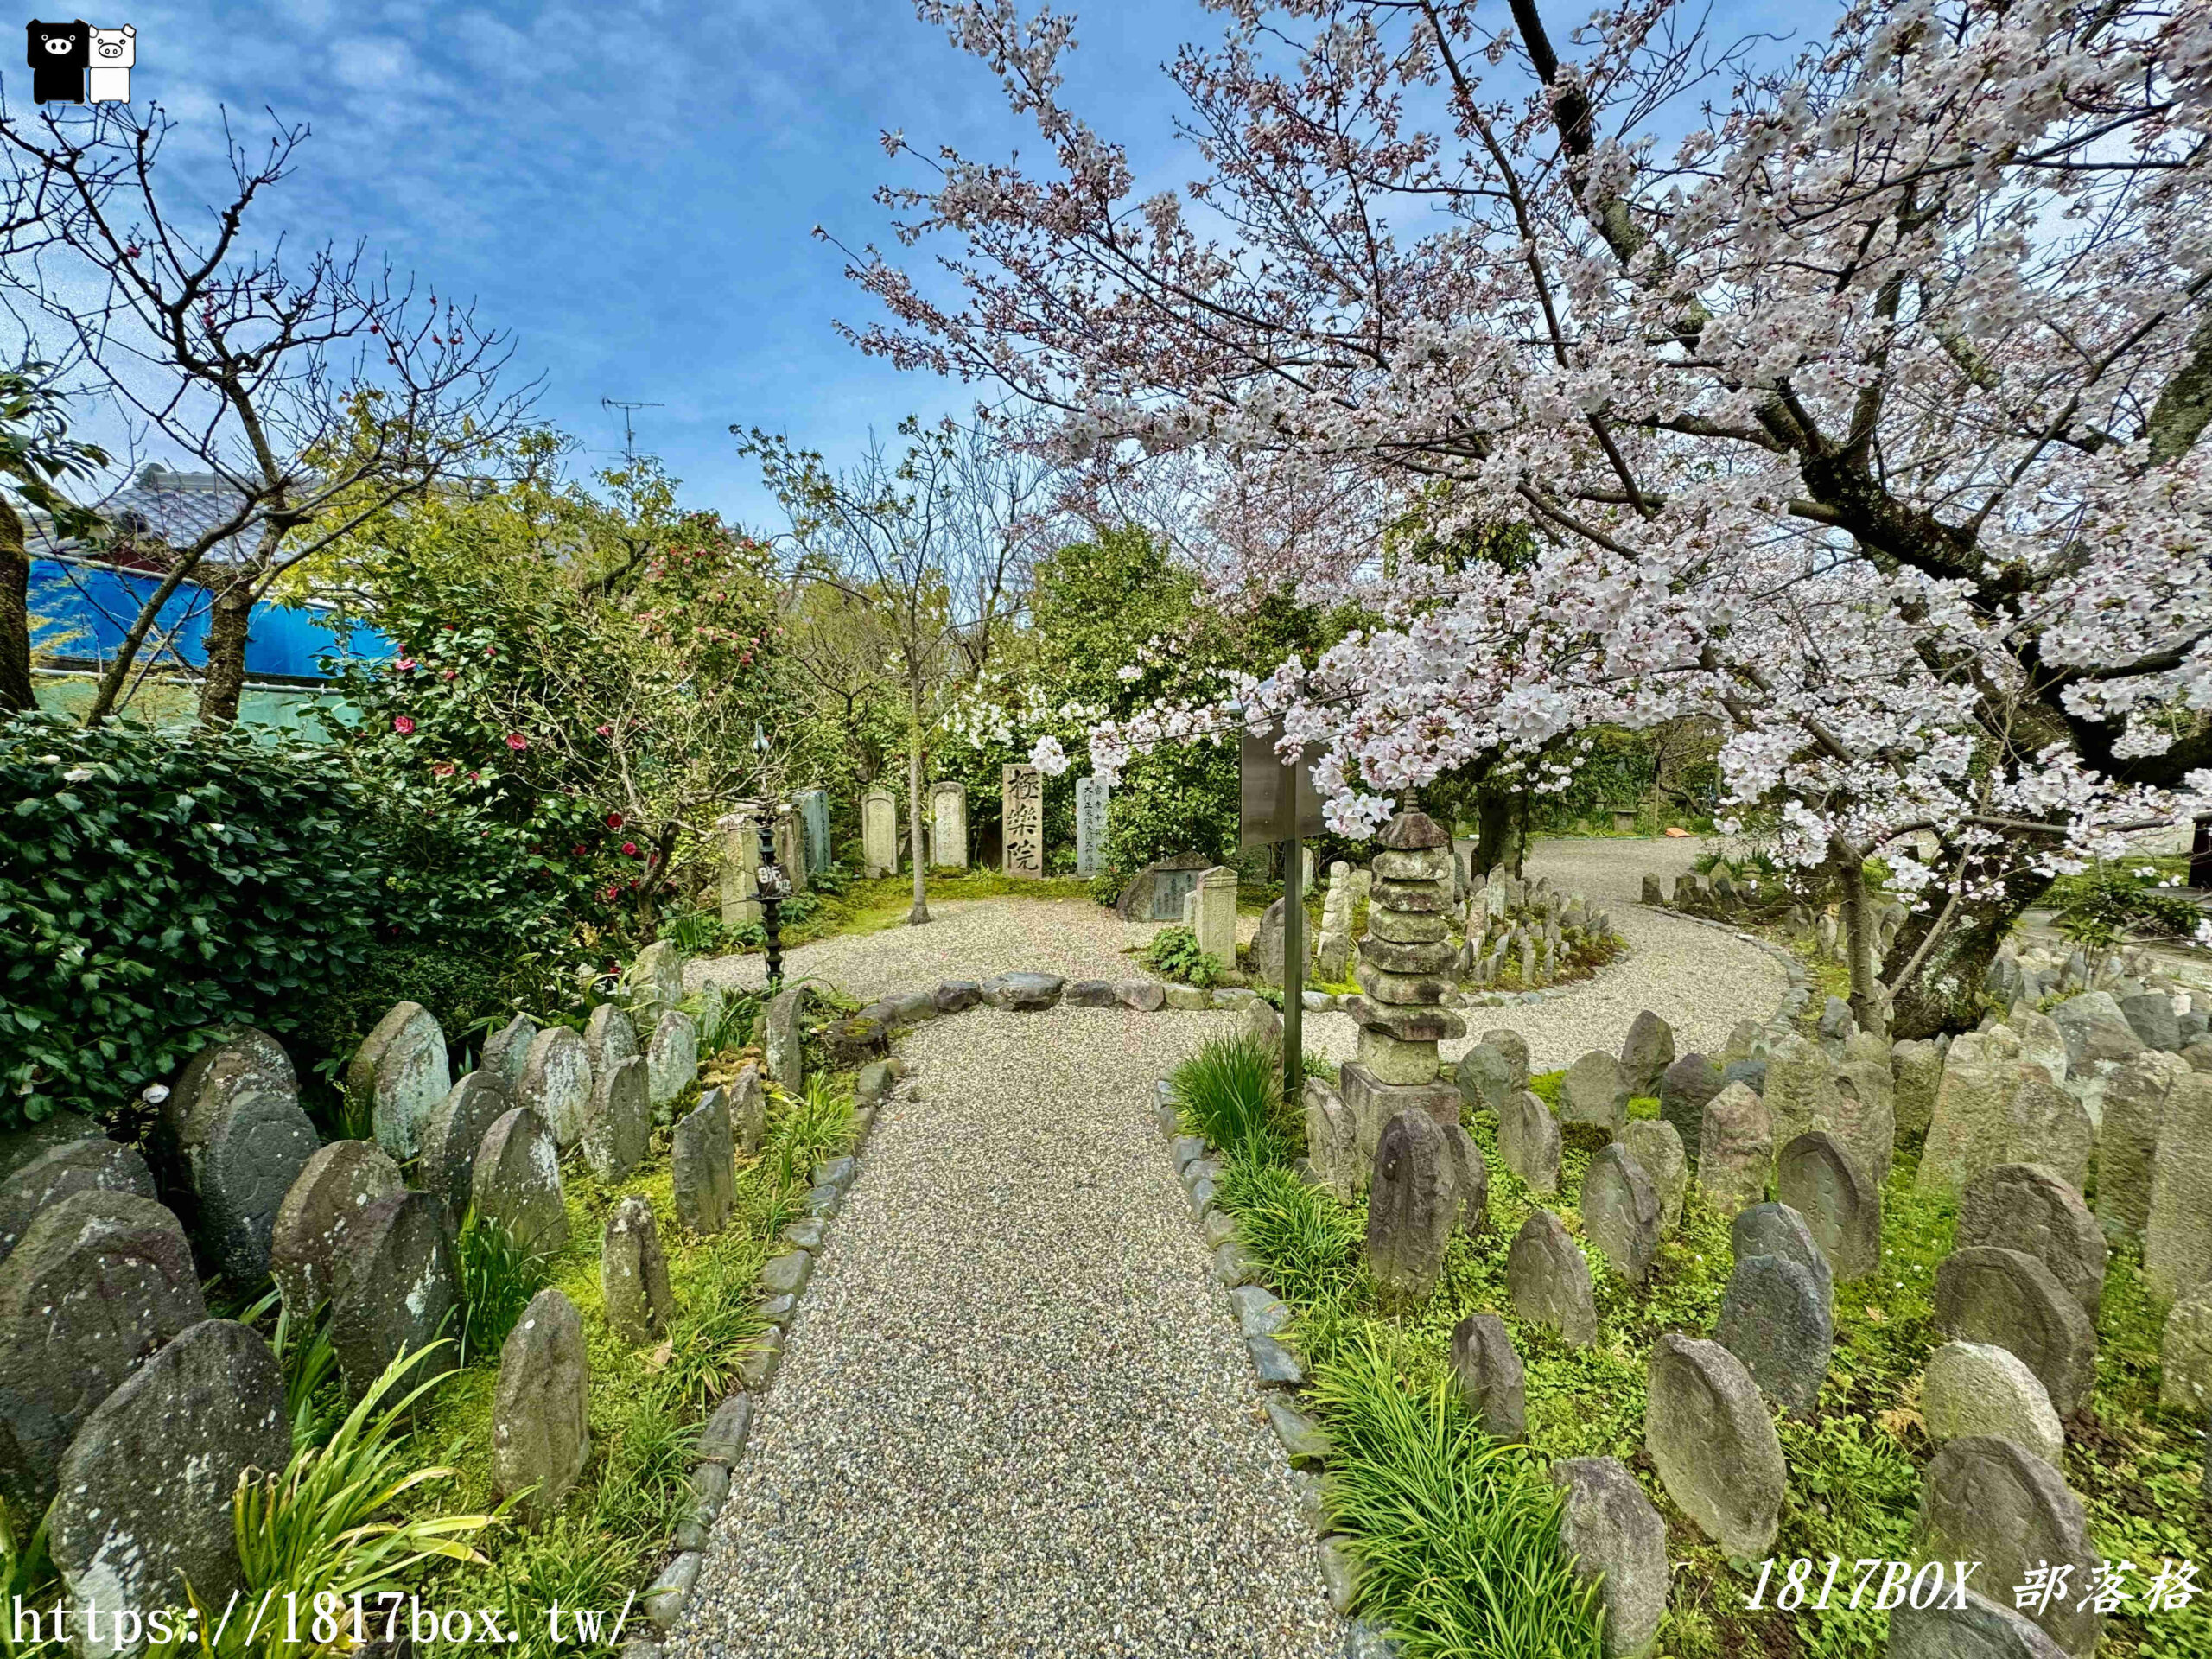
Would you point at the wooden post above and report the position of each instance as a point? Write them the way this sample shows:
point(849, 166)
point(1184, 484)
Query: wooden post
point(1293, 955)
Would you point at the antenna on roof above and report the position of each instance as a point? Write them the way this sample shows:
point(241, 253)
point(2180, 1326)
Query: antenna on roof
point(629, 438)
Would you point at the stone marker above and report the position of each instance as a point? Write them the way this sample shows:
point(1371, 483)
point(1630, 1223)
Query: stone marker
point(1714, 1444)
point(1735, 1150)
point(1775, 1317)
point(1216, 918)
point(1333, 1141)
point(1528, 1141)
point(2177, 1233)
point(703, 1168)
point(1977, 1388)
point(610, 1037)
point(145, 1487)
point(2027, 1207)
point(2095, 1030)
point(1646, 1052)
point(2046, 1125)
point(238, 1061)
point(2127, 1140)
point(655, 979)
point(92, 1164)
point(672, 1058)
point(879, 833)
point(1971, 1123)
point(447, 1164)
point(1657, 1150)
point(1800, 1093)
point(316, 1219)
point(556, 1083)
point(541, 1437)
point(747, 1101)
point(1021, 814)
point(96, 1283)
point(1614, 1539)
point(1267, 945)
point(1411, 1205)
point(1548, 1278)
point(1470, 1180)
point(1488, 1375)
point(1514, 1047)
point(508, 1050)
point(1776, 1230)
point(1685, 1089)
point(2042, 1041)
point(1916, 1071)
point(1093, 810)
point(619, 1122)
point(1594, 1093)
point(1865, 1119)
point(517, 1182)
point(2185, 1354)
point(2009, 1299)
point(259, 1142)
point(633, 1274)
point(1819, 1180)
point(2151, 1016)
point(400, 1069)
point(1989, 1500)
point(1486, 1078)
point(1620, 1212)
point(396, 1286)
point(1977, 1629)
point(949, 825)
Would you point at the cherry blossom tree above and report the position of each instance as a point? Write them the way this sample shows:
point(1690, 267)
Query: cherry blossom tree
point(1852, 399)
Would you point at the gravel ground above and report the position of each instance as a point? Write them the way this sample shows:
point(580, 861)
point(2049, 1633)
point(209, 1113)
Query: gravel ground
point(1015, 1417)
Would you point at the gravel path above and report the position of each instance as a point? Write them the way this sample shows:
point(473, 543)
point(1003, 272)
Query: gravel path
point(1015, 1417)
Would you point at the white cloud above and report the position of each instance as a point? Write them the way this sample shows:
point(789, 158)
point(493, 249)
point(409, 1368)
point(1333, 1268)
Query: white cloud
point(373, 63)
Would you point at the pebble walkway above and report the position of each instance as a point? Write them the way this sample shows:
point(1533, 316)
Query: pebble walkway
point(1014, 1417)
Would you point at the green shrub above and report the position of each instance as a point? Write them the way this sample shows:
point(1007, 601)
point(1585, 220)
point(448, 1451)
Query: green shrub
point(497, 1279)
point(1230, 1094)
point(1174, 954)
point(1306, 1242)
point(2103, 906)
point(1457, 1534)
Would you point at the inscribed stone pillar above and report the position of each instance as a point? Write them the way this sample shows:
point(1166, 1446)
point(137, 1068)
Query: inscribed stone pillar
point(740, 835)
point(1091, 819)
point(1021, 794)
point(814, 817)
point(1216, 922)
point(949, 825)
point(879, 833)
point(791, 850)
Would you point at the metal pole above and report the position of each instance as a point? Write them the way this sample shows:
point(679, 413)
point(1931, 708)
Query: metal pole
point(1294, 954)
point(768, 881)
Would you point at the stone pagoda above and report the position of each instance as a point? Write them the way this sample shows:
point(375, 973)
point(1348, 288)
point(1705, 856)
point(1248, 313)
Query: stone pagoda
point(1405, 966)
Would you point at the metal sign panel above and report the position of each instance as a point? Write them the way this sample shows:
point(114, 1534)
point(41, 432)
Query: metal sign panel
point(1265, 789)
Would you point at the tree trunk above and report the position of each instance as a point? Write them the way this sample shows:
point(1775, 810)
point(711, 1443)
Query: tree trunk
point(16, 691)
point(917, 851)
point(1493, 827)
point(1945, 993)
point(228, 625)
point(1867, 1000)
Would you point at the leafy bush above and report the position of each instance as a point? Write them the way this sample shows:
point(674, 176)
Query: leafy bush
point(1174, 954)
point(1307, 1244)
point(1230, 1093)
point(2103, 906)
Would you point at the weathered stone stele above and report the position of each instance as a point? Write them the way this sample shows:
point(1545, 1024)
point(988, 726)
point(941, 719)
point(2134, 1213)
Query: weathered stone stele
point(1977, 1388)
point(2010, 1299)
point(556, 1082)
point(784, 1051)
point(1489, 1374)
point(2185, 1354)
point(1685, 1088)
point(949, 825)
point(1470, 1180)
point(621, 1121)
point(332, 1192)
point(1332, 1142)
point(447, 1164)
point(1620, 1212)
point(702, 1168)
point(1486, 1078)
point(1822, 1182)
point(1916, 1071)
point(1021, 808)
point(1548, 1278)
point(1776, 1230)
point(400, 1069)
point(610, 1037)
point(541, 1438)
point(1657, 1150)
point(98, 1282)
point(94, 1163)
point(1735, 1150)
point(672, 1058)
point(1613, 1538)
point(1989, 1500)
point(747, 1104)
point(1216, 928)
point(396, 1286)
point(145, 1487)
point(1714, 1444)
point(2127, 1140)
point(517, 1181)
point(879, 833)
point(2177, 1234)
point(655, 978)
point(1594, 1093)
point(1976, 1627)
point(1774, 1318)
point(633, 1274)
point(2029, 1208)
point(1528, 1141)
point(1411, 1205)
point(1646, 1052)
point(506, 1050)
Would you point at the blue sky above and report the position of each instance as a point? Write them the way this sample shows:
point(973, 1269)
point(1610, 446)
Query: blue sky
point(629, 188)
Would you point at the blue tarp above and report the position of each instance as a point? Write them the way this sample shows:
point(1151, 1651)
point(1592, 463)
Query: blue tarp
point(84, 611)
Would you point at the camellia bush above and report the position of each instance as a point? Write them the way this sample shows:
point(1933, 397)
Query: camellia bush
point(152, 884)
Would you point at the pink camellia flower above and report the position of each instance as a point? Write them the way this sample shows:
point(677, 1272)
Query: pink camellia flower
point(516, 740)
point(473, 776)
point(607, 731)
point(629, 850)
point(448, 674)
point(580, 849)
point(611, 894)
point(404, 725)
point(406, 663)
point(615, 820)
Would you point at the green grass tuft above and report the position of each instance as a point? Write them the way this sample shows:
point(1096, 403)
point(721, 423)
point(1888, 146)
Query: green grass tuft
point(1229, 1094)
